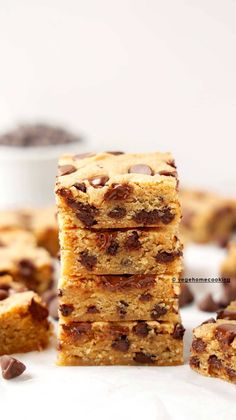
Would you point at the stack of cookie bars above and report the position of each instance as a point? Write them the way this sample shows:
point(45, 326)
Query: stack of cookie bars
point(118, 218)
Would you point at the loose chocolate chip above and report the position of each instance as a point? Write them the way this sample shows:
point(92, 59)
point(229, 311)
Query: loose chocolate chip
point(112, 248)
point(231, 373)
point(186, 297)
point(132, 242)
point(26, 268)
point(140, 169)
point(92, 310)
point(208, 304)
point(194, 362)
point(88, 260)
point(178, 332)
point(53, 308)
point(226, 314)
point(80, 186)
point(209, 321)
point(3, 294)
point(37, 311)
point(66, 309)
point(117, 213)
point(11, 367)
point(76, 330)
point(122, 308)
point(225, 334)
point(115, 153)
point(98, 181)
point(66, 169)
point(146, 297)
point(214, 363)
point(198, 345)
point(168, 173)
point(144, 358)
point(121, 344)
point(164, 257)
point(118, 192)
point(158, 311)
point(141, 329)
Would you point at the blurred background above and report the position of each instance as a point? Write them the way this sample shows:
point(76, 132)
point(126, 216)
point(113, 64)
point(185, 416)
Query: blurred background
point(130, 75)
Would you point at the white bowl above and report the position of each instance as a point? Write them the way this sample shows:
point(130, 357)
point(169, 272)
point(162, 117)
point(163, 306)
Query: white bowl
point(27, 174)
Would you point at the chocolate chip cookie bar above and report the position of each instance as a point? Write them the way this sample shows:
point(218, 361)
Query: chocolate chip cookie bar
point(28, 265)
point(108, 190)
point(119, 298)
point(17, 237)
point(207, 217)
point(121, 343)
point(126, 251)
point(24, 324)
point(9, 287)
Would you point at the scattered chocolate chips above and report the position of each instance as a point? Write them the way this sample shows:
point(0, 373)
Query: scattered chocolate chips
point(155, 216)
point(214, 363)
point(178, 332)
point(145, 297)
point(144, 358)
point(76, 330)
point(117, 213)
point(26, 268)
point(112, 248)
point(141, 329)
point(186, 297)
point(225, 334)
point(164, 257)
point(194, 362)
point(226, 314)
point(158, 311)
point(208, 304)
point(66, 309)
point(80, 186)
point(118, 192)
point(92, 309)
point(11, 367)
point(121, 344)
point(37, 311)
point(88, 260)
point(98, 181)
point(3, 294)
point(140, 169)
point(132, 242)
point(66, 169)
point(198, 345)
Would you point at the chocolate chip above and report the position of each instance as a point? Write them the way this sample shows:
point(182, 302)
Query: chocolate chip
point(166, 216)
point(3, 294)
point(66, 169)
point(64, 192)
point(167, 257)
point(11, 367)
point(53, 308)
point(140, 169)
point(60, 293)
point(115, 153)
point(80, 186)
point(132, 242)
point(198, 345)
point(209, 321)
point(158, 311)
point(144, 217)
point(141, 329)
point(144, 358)
point(146, 297)
point(37, 310)
point(112, 248)
point(26, 268)
point(121, 344)
point(88, 260)
point(122, 308)
point(178, 332)
point(117, 213)
point(194, 362)
point(225, 334)
point(186, 297)
point(171, 163)
point(231, 373)
point(76, 330)
point(214, 363)
point(168, 173)
point(66, 309)
point(127, 282)
point(92, 310)
point(208, 304)
point(85, 212)
point(226, 314)
point(118, 192)
point(98, 181)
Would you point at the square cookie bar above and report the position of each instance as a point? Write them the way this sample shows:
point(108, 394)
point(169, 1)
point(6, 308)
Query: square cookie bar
point(24, 324)
point(207, 217)
point(213, 351)
point(121, 343)
point(44, 226)
point(116, 298)
point(108, 190)
point(126, 251)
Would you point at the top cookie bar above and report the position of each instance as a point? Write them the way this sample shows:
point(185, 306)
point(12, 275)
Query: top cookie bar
point(116, 190)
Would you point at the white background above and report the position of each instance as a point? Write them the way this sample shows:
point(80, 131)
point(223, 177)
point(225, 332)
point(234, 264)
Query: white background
point(134, 75)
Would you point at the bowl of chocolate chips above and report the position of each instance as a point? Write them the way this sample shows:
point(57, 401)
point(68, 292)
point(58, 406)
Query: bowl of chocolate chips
point(28, 163)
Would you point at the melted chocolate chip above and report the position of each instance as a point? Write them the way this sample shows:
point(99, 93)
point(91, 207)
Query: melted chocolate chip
point(112, 248)
point(66, 309)
point(37, 311)
point(198, 345)
point(141, 329)
point(168, 173)
point(76, 330)
point(88, 260)
point(178, 332)
point(127, 282)
point(121, 344)
point(146, 297)
point(117, 213)
point(231, 373)
point(171, 163)
point(3, 294)
point(66, 169)
point(92, 310)
point(80, 186)
point(133, 242)
point(144, 358)
point(209, 321)
point(11, 367)
point(118, 192)
point(186, 297)
point(194, 362)
point(144, 217)
point(214, 364)
point(85, 212)
point(26, 268)
point(140, 169)
point(115, 153)
point(225, 334)
point(158, 311)
point(167, 257)
point(98, 181)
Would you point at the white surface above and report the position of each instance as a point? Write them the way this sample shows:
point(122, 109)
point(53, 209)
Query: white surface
point(135, 75)
point(115, 393)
